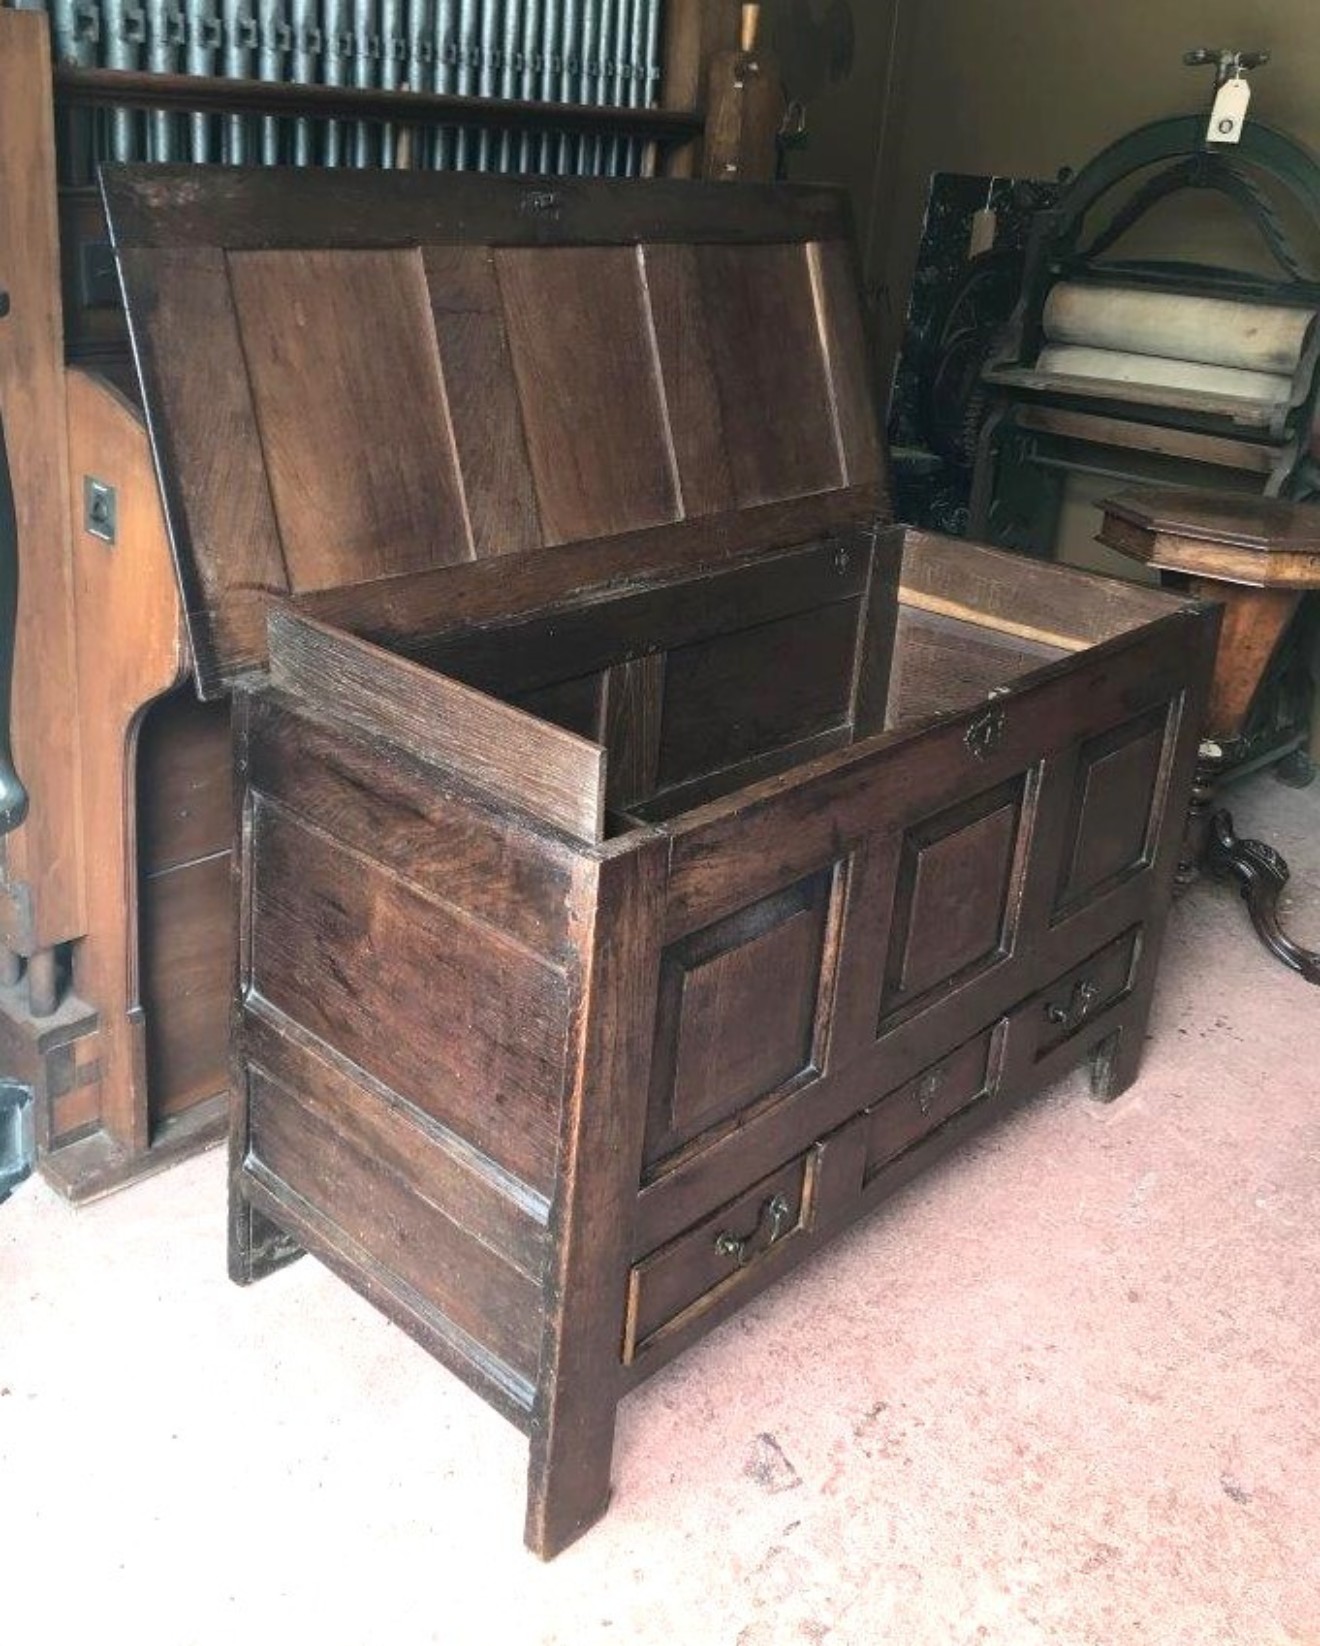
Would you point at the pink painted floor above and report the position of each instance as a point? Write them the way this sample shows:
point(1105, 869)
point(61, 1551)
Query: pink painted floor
point(1065, 1391)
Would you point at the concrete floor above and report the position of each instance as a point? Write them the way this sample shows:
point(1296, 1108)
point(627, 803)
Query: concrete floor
point(1065, 1391)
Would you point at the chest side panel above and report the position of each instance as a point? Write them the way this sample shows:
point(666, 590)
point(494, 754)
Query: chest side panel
point(409, 991)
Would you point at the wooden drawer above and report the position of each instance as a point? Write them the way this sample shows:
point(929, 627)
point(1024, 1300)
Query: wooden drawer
point(725, 1252)
point(923, 1105)
point(1066, 1007)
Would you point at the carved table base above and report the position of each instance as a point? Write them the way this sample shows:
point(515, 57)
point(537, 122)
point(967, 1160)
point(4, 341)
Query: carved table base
point(1262, 874)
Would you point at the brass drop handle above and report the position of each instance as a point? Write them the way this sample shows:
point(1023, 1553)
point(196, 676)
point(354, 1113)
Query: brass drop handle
point(928, 1089)
point(1084, 996)
point(776, 1215)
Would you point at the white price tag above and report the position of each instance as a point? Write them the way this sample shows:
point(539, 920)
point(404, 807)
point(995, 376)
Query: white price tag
point(1229, 114)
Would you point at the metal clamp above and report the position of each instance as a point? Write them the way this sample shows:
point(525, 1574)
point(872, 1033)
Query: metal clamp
point(773, 1222)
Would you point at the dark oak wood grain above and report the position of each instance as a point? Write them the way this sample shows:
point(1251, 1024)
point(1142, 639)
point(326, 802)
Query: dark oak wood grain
point(626, 906)
point(391, 499)
point(814, 948)
point(523, 761)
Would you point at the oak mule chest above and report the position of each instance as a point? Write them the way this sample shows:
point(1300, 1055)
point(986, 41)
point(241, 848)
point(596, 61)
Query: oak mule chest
point(647, 860)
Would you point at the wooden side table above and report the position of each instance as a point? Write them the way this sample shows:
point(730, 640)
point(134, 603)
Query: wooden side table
point(1258, 556)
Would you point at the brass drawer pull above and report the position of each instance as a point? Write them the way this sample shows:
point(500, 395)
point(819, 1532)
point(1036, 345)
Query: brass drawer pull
point(928, 1089)
point(1084, 996)
point(774, 1220)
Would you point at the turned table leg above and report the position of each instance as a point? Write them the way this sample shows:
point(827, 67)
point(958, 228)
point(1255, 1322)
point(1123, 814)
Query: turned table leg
point(1262, 874)
point(1257, 557)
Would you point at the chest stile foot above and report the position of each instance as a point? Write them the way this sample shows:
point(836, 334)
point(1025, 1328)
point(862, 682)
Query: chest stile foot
point(594, 1213)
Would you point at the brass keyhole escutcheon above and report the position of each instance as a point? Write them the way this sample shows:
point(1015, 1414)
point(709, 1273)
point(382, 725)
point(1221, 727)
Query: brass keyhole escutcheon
point(985, 731)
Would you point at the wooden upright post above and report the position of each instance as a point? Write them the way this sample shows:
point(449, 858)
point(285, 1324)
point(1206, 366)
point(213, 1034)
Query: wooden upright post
point(41, 880)
point(695, 30)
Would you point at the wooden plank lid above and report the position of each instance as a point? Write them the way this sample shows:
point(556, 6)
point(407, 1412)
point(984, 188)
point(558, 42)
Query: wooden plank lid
point(353, 376)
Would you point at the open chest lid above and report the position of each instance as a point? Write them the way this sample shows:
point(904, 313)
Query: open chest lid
point(353, 376)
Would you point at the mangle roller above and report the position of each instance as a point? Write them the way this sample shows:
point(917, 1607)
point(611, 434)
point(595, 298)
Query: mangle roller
point(1111, 364)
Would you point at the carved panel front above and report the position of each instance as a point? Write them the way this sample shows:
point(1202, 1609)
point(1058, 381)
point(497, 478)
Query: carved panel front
point(741, 1013)
point(954, 907)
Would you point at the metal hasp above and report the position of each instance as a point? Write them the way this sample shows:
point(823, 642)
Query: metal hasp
point(18, 1148)
point(13, 796)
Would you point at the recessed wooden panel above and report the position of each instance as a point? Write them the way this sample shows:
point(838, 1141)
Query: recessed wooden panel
point(755, 690)
point(835, 281)
point(597, 432)
point(769, 366)
point(184, 782)
point(186, 931)
point(1113, 808)
point(738, 1013)
point(424, 1245)
point(446, 1011)
point(696, 413)
point(362, 466)
point(573, 704)
point(208, 449)
point(952, 905)
point(483, 399)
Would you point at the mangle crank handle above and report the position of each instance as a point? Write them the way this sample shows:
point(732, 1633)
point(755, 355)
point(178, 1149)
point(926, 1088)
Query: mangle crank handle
point(13, 796)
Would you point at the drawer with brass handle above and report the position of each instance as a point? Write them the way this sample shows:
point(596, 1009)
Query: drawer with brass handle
point(924, 1104)
point(1083, 993)
point(723, 1252)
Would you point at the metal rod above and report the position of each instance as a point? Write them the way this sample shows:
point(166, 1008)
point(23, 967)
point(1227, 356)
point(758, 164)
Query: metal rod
point(165, 37)
point(589, 147)
point(240, 26)
point(548, 80)
point(421, 68)
point(487, 78)
point(510, 78)
point(124, 30)
point(529, 77)
point(392, 68)
point(651, 95)
point(305, 48)
point(335, 47)
point(276, 40)
point(570, 78)
point(446, 75)
point(366, 58)
point(465, 82)
point(203, 47)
